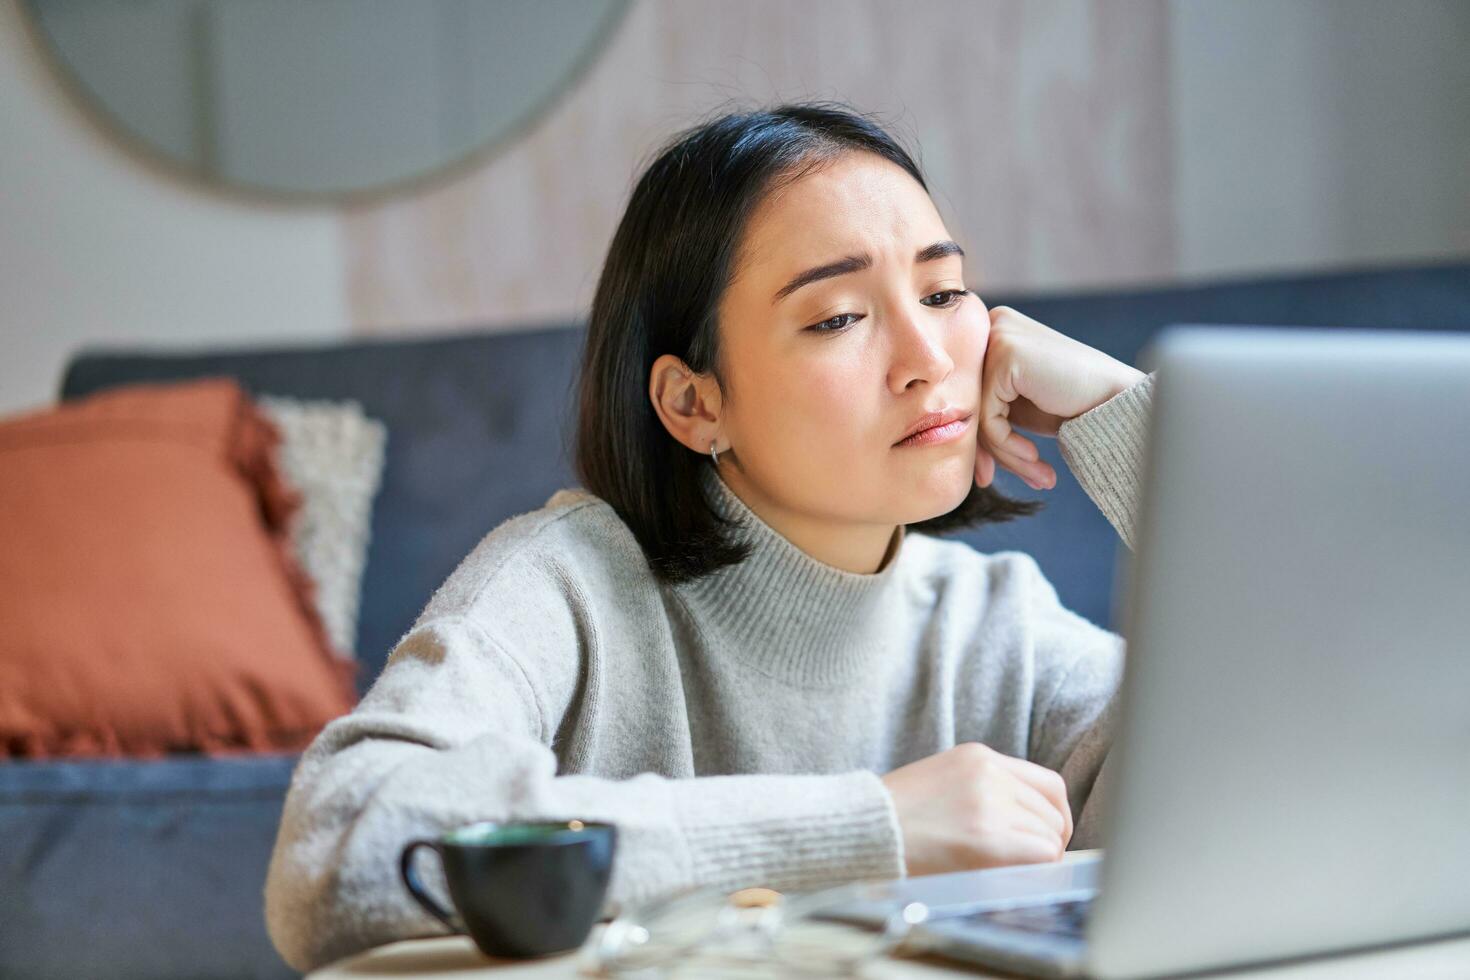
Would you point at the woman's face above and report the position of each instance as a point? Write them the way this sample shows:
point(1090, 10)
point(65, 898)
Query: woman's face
point(825, 371)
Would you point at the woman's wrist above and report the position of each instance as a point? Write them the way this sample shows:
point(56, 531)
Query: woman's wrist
point(1127, 378)
point(1120, 381)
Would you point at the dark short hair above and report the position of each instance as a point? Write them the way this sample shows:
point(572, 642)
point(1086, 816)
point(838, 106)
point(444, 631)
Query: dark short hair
point(668, 265)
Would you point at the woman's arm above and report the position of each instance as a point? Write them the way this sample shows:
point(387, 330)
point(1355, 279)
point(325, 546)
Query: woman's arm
point(1074, 705)
point(454, 731)
point(1104, 448)
point(1073, 720)
point(1098, 408)
point(1037, 379)
point(1075, 724)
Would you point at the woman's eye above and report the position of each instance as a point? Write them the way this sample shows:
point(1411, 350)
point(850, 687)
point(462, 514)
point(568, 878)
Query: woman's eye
point(835, 323)
point(842, 321)
point(948, 297)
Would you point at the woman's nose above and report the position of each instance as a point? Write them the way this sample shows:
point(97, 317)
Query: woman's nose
point(919, 353)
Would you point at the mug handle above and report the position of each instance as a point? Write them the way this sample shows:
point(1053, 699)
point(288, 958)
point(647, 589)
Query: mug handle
point(416, 887)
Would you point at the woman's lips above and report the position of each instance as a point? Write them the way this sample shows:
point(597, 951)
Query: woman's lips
point(939, 433)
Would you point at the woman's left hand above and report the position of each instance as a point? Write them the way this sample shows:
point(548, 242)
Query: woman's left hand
point(1036, 378)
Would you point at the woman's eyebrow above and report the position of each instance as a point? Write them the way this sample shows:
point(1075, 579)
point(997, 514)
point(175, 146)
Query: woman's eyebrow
point(938, 250)
point(856, 263)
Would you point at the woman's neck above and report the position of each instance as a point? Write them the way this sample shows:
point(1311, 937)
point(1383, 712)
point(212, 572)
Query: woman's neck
point(862, 549)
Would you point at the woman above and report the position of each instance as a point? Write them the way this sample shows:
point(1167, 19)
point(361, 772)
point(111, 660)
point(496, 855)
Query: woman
point(740, 642)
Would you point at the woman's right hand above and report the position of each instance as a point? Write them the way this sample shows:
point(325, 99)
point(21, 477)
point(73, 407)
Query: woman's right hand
point(973, 807)
point(1036, 378)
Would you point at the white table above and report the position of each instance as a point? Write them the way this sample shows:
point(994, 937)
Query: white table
point(457, 957)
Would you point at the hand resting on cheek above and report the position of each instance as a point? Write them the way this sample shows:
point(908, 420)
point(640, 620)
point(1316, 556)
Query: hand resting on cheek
point(1035, 378)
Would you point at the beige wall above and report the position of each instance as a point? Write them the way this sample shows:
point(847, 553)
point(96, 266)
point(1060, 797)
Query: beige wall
point(1070, 144)
point(1319, 133)
point(96, 248)
point(1044, 128)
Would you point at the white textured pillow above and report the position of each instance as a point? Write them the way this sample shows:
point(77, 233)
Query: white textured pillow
point(333, 453)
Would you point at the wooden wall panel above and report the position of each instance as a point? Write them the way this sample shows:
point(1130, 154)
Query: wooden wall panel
point(1044, 127)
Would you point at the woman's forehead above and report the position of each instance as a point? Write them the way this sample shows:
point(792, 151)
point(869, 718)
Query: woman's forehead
point(858, 203)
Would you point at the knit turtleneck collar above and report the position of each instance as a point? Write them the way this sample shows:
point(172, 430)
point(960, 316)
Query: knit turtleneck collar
point(783, 611)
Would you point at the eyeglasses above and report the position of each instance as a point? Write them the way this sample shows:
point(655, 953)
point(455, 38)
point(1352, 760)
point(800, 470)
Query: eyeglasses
point(753, 932)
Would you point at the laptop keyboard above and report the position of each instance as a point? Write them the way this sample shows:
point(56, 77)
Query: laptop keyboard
point(1066, 918)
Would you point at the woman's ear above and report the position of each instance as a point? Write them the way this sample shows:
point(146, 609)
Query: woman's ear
point(688, 404)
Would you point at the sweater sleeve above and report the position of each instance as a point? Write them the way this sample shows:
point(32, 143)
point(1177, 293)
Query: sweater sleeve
point(454, 731)
point(1105, 449)
point(1073, 718)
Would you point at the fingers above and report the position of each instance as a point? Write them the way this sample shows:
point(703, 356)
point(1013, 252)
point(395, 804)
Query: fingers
point(996, 394)
point(1022, 845)
point(1009, 448)
point(985, 469)
point(1047, 782)
point(1036, 474)
point(1018, 445)
point(1042, 809)
point(984, 466)
point(997, 431)
point(1025, 415)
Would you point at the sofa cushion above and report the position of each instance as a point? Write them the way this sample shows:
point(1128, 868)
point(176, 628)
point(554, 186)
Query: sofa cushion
point(150, 597)
point(333, 454)
point(476, 428)
point(139, 869)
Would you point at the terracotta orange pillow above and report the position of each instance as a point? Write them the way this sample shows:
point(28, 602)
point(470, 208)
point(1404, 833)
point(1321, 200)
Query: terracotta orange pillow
point(149, 600)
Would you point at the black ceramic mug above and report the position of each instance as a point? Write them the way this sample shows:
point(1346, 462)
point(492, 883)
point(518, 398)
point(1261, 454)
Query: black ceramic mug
point(519, 889)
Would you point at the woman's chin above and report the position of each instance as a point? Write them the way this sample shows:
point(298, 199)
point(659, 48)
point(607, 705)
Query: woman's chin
point(940, 491)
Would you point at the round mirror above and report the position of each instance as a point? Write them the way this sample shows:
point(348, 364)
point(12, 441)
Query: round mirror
point(324, 99)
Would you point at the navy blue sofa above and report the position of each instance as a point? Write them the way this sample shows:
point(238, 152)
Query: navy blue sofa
point(155, 869)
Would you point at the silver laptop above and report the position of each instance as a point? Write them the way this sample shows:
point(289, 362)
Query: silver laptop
point(1292, 763)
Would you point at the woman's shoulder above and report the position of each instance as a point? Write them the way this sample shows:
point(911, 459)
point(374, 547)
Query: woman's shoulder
point(941, 556)
point(573, 538)
point(1001, 600)
point(951, 568)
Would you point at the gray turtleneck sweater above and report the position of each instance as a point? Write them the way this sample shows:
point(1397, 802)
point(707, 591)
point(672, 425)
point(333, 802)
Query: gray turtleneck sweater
point(734, 728)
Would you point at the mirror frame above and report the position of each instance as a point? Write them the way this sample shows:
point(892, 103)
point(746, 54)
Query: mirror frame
point(79, 94)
